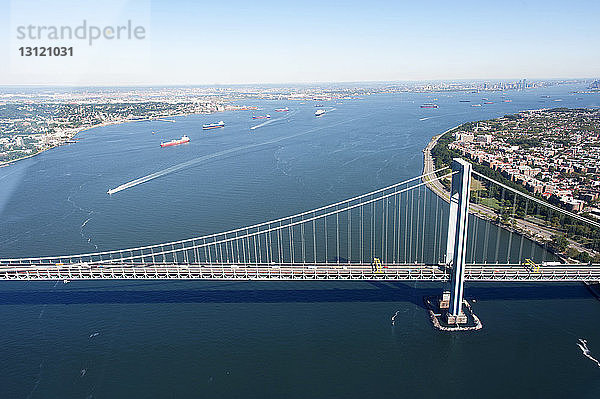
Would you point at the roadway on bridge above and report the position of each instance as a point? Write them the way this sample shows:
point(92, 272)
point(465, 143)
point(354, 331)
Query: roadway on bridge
point(368, 272)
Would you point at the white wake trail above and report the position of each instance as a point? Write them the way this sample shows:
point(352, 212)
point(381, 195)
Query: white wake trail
point(394, 317)
point(198, 160)
point(582, 344)
point(267, 122)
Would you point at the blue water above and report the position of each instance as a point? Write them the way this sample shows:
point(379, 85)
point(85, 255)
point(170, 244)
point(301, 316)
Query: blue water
point(273, 339)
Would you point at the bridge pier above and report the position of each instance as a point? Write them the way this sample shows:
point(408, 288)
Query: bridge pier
point(457, 237)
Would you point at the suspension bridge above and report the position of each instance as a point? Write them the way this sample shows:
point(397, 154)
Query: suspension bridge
point(401, 232)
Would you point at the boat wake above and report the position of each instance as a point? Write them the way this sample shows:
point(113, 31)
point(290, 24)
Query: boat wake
point(582, 344)
point(175, 168)
point(204, 158)
point(268, 122)
point(85, 222)
point(265, 123)
point(394, 317)
point(37, 381)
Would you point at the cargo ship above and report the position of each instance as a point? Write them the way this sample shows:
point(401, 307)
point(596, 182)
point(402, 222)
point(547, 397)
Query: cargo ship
point(429, 105)
point(488, 102)
point(319, 112)
point(213, 125)
point(261, 117)
point(184, 139)
point(282, 109)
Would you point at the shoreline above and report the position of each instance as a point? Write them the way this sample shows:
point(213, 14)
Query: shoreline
point(84, 129)
point(482, 212)
point(429, 166)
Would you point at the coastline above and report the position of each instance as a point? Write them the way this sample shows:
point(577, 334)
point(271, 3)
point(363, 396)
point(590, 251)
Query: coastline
point(86, 128)
point(428, 167)
point(521, 227)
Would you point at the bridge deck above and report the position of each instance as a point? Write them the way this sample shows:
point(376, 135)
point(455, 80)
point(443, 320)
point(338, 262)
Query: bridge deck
point(394, 272)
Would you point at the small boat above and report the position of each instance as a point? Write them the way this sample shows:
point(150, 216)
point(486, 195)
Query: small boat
point(429, 105)
point(506, 101)
point(488, 102)
point(213, 125)
point(464, 101)
point(182, 140)
point(261, 116)
point(319, 112)
point(475, 105)
point(282, 109)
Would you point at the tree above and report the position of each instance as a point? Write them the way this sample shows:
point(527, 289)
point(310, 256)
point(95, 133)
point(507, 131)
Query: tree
point(559, 243)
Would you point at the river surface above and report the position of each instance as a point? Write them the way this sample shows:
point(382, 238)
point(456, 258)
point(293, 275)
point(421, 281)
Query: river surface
point(163, 339)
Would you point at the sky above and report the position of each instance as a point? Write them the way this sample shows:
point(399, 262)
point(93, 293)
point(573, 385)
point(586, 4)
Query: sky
point(253, 42)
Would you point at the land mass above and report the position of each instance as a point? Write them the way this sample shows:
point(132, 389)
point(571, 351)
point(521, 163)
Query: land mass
point(552, 154)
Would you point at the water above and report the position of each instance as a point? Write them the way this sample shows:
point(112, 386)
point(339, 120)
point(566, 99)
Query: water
point(270, 339)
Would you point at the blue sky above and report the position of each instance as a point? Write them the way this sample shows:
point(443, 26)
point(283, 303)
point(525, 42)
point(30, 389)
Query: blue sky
point(201, 42)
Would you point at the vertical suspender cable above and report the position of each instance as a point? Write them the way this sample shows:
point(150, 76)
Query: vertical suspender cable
point(337, 234)
point(511, 222)
point(314, 234)
point(424, 214)
point(498, 231)
point(349, 211)
point(523, 235)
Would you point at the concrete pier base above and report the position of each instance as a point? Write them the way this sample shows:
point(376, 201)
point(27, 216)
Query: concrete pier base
point(458, 319)
point(445, 301)
point(442, 320)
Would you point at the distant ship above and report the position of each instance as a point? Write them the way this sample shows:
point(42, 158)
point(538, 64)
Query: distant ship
point(506, 101)
point(261, 116)
point(429, 105)
point(213, 125)
point(475, 105)
point(319, 112)
point(464, 101)
point(282, 109)
point(488, 102)
point(318, 105)
point(182, 140)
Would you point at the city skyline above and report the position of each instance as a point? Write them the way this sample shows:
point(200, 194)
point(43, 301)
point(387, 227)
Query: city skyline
point(276, 43)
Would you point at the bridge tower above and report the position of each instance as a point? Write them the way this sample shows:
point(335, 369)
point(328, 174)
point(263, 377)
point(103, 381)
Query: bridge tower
point(457, 236)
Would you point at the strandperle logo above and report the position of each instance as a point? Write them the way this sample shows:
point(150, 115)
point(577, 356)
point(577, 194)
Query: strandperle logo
point(84, 31)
